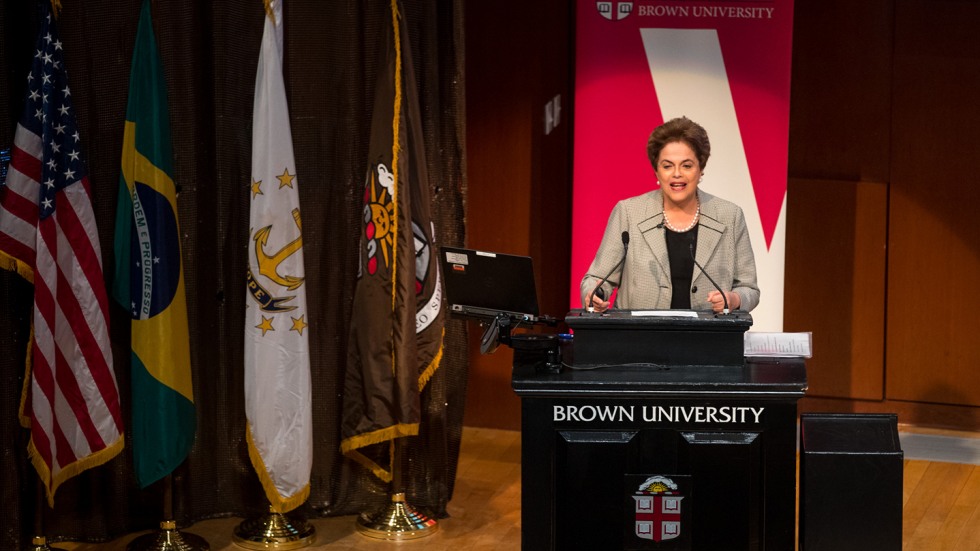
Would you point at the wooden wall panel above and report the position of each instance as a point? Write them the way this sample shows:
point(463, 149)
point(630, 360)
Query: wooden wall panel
point(934, 237)
point(498, 153)
point(836, 219)
point(840, 101)
point(551, 169)
point(518, 197)
point(835, 283)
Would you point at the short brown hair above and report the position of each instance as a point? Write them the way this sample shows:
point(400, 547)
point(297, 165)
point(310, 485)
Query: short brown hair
point(681, 129)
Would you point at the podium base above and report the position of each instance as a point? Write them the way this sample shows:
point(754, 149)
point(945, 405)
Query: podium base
point(397, 521)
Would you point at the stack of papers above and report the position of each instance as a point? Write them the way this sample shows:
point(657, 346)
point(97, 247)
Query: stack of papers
point(782, 345)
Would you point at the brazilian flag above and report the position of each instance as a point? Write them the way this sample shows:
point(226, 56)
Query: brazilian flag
point(148, 279)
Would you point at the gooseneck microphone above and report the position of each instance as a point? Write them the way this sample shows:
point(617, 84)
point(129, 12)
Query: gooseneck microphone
point(626, 242)
point(724, 297)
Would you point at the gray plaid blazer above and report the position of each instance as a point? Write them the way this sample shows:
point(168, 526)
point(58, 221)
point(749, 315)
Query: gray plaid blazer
point(723, 249)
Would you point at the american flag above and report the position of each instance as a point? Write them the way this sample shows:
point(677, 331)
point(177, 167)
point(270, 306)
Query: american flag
point(48, 235)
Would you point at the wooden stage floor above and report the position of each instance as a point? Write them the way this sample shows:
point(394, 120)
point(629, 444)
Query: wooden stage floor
point(941, 508)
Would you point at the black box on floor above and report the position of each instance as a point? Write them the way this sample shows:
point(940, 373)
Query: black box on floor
point(850, 482)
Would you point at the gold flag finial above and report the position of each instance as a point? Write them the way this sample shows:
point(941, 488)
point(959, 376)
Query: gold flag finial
point(268, 10)
point(56, 8)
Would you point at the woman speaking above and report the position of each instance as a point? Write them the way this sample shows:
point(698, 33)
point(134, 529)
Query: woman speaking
point(665, 233)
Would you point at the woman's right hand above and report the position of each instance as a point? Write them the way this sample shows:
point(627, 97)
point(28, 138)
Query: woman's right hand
point(598, 304)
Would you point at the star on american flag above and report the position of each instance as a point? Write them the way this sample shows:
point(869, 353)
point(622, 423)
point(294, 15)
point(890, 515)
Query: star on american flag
point(50, 115)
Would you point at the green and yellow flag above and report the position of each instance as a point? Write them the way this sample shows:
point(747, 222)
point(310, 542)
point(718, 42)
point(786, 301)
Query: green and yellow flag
point(149, 278)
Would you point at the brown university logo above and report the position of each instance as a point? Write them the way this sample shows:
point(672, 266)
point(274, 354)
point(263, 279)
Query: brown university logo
point(614, 11)
point(657, 512)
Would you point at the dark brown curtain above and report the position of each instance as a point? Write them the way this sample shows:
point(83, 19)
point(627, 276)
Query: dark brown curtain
point(210, 51)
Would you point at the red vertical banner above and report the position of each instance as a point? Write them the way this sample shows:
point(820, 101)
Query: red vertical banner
point(723, 64)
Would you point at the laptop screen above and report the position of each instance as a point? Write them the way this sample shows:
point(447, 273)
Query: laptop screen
point(484, 284)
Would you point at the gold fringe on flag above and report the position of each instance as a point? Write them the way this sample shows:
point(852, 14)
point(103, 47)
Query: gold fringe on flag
point(350, 446)
point(395, 149)
point(56, 8)
point(279, 503)
point(51, 484)
point(430, 369)
point(8, 262)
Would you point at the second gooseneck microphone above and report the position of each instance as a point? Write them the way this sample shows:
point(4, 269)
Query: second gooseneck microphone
point(724, 297)
point(626, 243)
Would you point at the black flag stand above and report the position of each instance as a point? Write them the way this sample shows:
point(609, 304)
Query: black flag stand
point(398, 520)
point(168, 538)
point(39, 542)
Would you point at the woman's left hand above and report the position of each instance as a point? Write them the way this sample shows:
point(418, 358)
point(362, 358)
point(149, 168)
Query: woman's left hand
point(718, 303)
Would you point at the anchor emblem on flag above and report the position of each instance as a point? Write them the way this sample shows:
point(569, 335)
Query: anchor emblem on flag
point(269, 265)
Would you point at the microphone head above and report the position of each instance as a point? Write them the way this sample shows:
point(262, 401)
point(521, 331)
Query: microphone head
point(626, 238)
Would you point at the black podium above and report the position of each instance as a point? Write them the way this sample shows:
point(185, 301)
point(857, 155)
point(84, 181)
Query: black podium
point(652, 436)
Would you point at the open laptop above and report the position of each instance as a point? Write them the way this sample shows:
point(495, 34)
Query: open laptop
point(483, 284)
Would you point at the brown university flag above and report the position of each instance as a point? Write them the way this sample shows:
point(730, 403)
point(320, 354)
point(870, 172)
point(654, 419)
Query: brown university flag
point(397, 324)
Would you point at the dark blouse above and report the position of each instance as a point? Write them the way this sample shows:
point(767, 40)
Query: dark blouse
point(681, 248)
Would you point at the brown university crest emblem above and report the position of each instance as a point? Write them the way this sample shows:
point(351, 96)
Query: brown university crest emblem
point(657, 512)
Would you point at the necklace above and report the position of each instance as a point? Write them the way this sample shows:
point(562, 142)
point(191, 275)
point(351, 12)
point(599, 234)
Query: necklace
point(694, 221)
